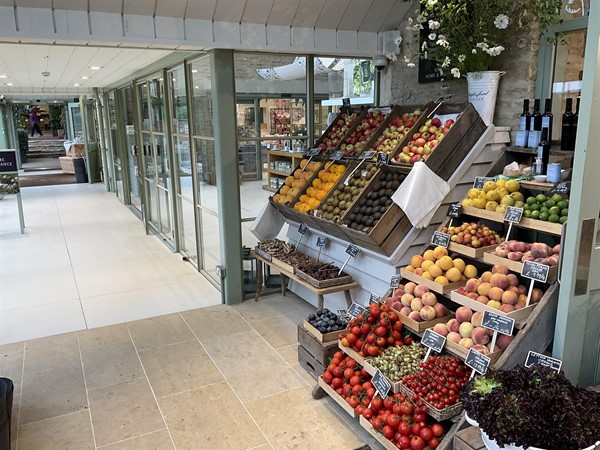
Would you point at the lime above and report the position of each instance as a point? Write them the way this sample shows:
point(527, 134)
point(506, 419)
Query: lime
point(530, 200)
point(564, 212)
point(535, 214)
point(544, 205)
point(554, 210)
point(540, 198)
point(527, 213)
point(557, 198)
point(544, 209)
point(544, 215)
point(550, 203)
point(553, 218)
point(562, 204)
point(562, 220)
point(534, 207)
point(526, 207)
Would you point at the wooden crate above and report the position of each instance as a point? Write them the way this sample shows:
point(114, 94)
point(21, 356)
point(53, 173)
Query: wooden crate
point(531, 224)
point(413, 325)
point(337, 398)
point(310, 363)
point(360, 112)
point(517, 266)
point(322, 352)
point(461, 352)
point(379, 437)
point(327, 337)
point(470, 251)
point(432, 285)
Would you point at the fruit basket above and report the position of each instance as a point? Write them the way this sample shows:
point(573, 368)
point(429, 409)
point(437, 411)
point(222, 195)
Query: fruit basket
point(519, 315)
point(356, 142)
point(344, 278)
point(437, 414)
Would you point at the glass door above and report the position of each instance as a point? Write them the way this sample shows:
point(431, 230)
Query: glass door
point(126, 106)
point(115, 146)
point(74, 122)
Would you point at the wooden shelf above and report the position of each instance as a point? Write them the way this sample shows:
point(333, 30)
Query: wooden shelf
point(531, 224)
point(278, 172)
point(533, 151)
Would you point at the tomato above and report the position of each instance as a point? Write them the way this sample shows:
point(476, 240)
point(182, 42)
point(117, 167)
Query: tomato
point(390, 340)
point(339, 355)
point(380, 342)
point(433, 443)
point(419, 417)
point(370, 339)
point(396, 408)
point(344, 342)
point(404, 429)
point(355, 380)
point(367, 413)
point(377, 423)
point(416, 443)
point(388, 404)
point(408, 340)
point(407, 408)
point(388, 432)
point(377, 403)
point(365, 329)
point(371, 392)
point(437, 429)
point(327, 377)
point(337, 383)
point(393, 315)
point(367, 385)
point(426, 434)
point(380, 331)
point(351, 339)
point(356, 389)
point(416, 429)
point(404, 442)
point(365, 374)
point(353, 401)
point(359, 410)
point(373, 351)
point(359, 318)
point(356, 330)
point(348, 373)
point(370, 319)
point(347, 390)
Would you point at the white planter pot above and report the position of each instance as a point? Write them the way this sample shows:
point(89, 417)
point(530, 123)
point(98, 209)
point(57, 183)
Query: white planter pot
point(471, 421)
point(483, 89)
point(490, 444)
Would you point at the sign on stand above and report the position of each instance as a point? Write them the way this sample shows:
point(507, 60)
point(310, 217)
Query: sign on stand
point(434, 341)
point(383, 158)
point(562, 188)
point(352, 252)
point(478, 362)
point(534, 358)
point(381, 383)
point(395, 281)
point(336, 156)
point(321, 242)
point(440, 239)
point(535, 272)
point(367, 155)
point(355, 309)
point(497, 323)
point(374, 298)
point(453, 212)
point(480, 181)
point(512, 215)
point(9, 180)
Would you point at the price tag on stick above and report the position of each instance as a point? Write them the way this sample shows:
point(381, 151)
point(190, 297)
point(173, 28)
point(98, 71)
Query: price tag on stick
point(352, 252)
point(336, 156)
point(480, 181)
point(478, 362)
point(374, 298)
point(433, 341)
point(381, 383)
point(302, 230)
point(512, 215)
point(453, 212)
point(498, 323)
point(367, 155)
point(535, 272)
point(440, 239)
point(351, 174)
point(355, 309)
point(561, 188)
point(534, 358)
point(395, 281)
point(321, 242)
point(383, 158)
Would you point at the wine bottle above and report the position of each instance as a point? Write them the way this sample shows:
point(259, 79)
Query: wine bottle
point(574, 122)
point(566, 139)
point(543, 150)
point(525, 116)
point(536, 117)
point(547, 118)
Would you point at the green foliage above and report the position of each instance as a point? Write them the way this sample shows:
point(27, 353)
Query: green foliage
point(56, 120)
point(23, 139)
point(360, 86)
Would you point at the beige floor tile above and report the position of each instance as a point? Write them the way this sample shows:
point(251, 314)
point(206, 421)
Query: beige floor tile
point(52, 353)
point(252, 367)
point(293, 420)
point(290, 354)
point(68, 432)
point(269, 307)
point(123, 411)
point(210, 418)
point(52, 393)
point(110, 364)
point(97, 337)
point(179, 367)
point(278, 331)
point(14, 419)
point(11, 362)
point(159, 440)
point(214, 321)
point(158, 331)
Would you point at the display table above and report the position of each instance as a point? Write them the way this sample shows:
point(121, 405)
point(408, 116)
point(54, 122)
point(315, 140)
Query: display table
point(345, 288)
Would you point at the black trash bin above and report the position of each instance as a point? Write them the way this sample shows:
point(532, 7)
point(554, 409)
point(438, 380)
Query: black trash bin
point(6, 399)
point(80, 172)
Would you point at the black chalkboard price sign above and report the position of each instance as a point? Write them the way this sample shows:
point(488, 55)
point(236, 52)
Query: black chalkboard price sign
point(381, 383)
point(302, 229)
point(395, 281)
point(355, 309)
point(440, 239)
point(321, 241)
point(480, 181)
point(346, 102)
point(477, 361)
point(367, 155)
point(534, 358)
point(352, 250)
point(336, 156)
point(374, 298)
point(535, 271)
point(562, 188)
point(383, 158)
point(454, 210)
point(496, 322)
point(444, 98)
point(313, 151)
point(513, 214)
point(433, 340)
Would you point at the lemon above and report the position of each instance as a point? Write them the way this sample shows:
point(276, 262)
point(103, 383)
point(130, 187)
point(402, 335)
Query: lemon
point(507, 201)
point(502, 192)
point(479, 203)
point(489, 186)
point(501, 209)
point(517, 196)
point(467, 202)
point(493, 195)
point(473, 193)
point(512, 185)
point(491, 205)
point(501, 183)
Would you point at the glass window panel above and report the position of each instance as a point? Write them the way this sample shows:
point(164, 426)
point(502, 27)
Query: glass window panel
point(211, 239)
point(152, 203)
point(207, 176)
point(247, 157)
point(126, 100)
point(165, 212)
point(187, 226)
point(157, 105)
point(202, 98)
point(179, 111)
point(246, 119)
point(148, 153)
point(162, 161)
point(145, 112)
point(114, 143)
point(183, 159)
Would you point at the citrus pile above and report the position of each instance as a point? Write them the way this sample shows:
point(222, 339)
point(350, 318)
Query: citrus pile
point(495, 196)
point(553, 209)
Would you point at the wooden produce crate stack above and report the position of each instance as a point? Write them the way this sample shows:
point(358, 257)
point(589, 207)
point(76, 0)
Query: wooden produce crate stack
point(315, 349)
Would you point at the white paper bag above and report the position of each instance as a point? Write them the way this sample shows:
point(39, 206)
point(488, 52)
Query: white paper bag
point(268, 223)
point(421, 194)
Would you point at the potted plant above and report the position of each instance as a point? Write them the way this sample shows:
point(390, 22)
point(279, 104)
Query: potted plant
point(56, 122)
point(23, 141)
point(533, 408)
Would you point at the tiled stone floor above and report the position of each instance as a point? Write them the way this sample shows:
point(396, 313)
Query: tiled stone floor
point(213, 378)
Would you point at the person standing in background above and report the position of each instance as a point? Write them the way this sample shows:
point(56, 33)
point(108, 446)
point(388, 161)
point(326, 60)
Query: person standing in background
point(34, 120)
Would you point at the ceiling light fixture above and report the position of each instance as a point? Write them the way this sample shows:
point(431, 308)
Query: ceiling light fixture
point(95, 67)
point(45, 73)
point(194, 70)
point(3, 76)
point(76, 85)
point(85, 78)
point(9, 84)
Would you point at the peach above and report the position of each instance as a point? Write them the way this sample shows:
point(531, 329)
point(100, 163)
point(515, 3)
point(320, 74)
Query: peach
point(499, 268)
point(427, 275)
point(536, 295)
point(415, 316)
point(406, 310)
point(522, 298)
point(495, 293)
point(510, 298)
point(465, 329)
point(416, 304)
point(409, 287)
point(481, 349)
point(418, 271)
point(499, 280)
point(429, 298)
point(439, 252)
point(453, 325)
point(472, 295)
point(453, 274)
point(503, 340)
point(462, 291)
point(512, 279)
point(494, 304)
point(453, 336)
point(440, 310)
point(427, 312)
point(410, 269)
point(522, 289)
point(477, 318)
point(459, 264)
point(483, 299)
point(472, 284)
point(507, 308)
point(464, 314)
point(441, 328)
point(399, 292)
point(484, 288)
point(519, 305)
point(485, 276)
point(470, 271)
point(426, 264)
point(420, 289)
point(445, 262)
point(406, 299)
point(479, 336)
point(435, 271)
point(397, 306)
point(429, 255)
point(416, 261)
point(442, 280)
point(466, 342)
point(512, 289)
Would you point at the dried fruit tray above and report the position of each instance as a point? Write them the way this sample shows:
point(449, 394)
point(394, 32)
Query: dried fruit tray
point(436, 287)
point(336, 397)
point(437, 414)
point(516, 266)
point(321, 284)
point(321, 337)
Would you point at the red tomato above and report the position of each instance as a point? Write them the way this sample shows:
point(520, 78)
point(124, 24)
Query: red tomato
point(433, 443)
point(371, 392)
point(337, 383)
point(404, 442)
point(351, 339)
point(367, 413)
point(367, 385)
point(398, 326)
point(339, 355)
point(373, 351)
point(404, 429)
point(388, 432)
point(355, 380)
point(365, 329)
point(347, 390)
point(416, 443)
point(377, 423)
point(407, 408)
point(359, 410)
point(377, 403)
point(437, 429)
point(426, 434)
point(351, 363)
point(370, 339)
point(416, 429)
point(420, 417)
point(348, 373)
point(388, 404)
point(352, 401)
point(380, 331)
point(393, 421)
point(381, 342)
point(338, 372)
point(327, 377)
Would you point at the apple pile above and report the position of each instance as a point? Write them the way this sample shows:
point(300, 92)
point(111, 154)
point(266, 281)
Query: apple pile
point(473, 235)
point(500, 290)
point(424, 141)
point(522, 251)
point(437, 266)
point(395, 132)
point(330, 141)
point(416, 302)
point(354, 144)
point(465, 330)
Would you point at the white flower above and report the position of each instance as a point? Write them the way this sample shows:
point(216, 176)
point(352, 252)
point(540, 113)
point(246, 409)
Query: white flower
point(482, 45)
point(461, 58)
point(434, 24)
point(446, 63)
point(455, 72)
point(431, 3)
point(406, 59)
point(423, 46)
point(501, 21)
point(442, 42)
point(410, 64)
point(432, 36)
point(398, 40)
point(494, 51)
point(474, 51)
